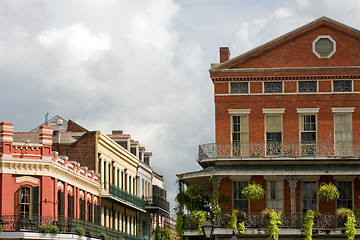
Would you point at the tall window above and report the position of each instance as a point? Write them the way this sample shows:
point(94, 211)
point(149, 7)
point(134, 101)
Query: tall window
point(142, 188)
point(60, 203)
point(343, 134)
point(25, 202)
point(346, 196)
point(89, 212)
point(308, 134)
point(273, 128)
point(105, 175)
point(71, 202)
point(308, 196)
point(240, 135)
point(274, 195)
point(240, 201)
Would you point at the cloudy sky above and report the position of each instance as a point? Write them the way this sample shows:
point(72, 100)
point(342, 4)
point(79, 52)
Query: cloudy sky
point(136, 65)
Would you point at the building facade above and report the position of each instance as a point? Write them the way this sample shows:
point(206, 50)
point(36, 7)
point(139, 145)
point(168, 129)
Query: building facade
point(39, 187)
point(286, 117)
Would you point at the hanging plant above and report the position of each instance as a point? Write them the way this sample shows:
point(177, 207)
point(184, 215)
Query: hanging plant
point(350, 223)
point(215, 209)
point(179, 226)
point(200, 217)
point(235, 217)
point(328, 191)
point(308, 224)
point(253, 191)
point(274, 222)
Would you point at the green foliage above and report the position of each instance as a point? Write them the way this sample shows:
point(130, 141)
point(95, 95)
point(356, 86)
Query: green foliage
point(328, 191)
point(350, 223)
point(1, 229)
point(235, 218)
point(193, 197)
point(200, 218)
point(223, 198)
point(80, 230)
point(48, 229)
point(215, 209)
point(162, 233)
point(179, 226)
point(274, 221)
point(254, 191)
point(308, 224)
point(104, 236)
point(241, 228)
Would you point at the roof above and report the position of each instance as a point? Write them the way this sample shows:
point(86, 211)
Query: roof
point(239, 61)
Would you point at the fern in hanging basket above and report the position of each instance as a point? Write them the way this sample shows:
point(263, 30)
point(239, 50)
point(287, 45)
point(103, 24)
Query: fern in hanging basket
point(253, 191)
point(328, 191)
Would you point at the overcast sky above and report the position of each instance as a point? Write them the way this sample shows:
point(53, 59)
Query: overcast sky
point(137, 65)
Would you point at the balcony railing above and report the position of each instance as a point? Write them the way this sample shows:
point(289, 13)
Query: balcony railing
point(289, 221)
point(278, 149)
point(66, 225)
point(125, 196)
point(158, 201)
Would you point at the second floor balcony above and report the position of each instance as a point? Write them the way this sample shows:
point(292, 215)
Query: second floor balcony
point(158, 202)
point(277, 150)
point(129, 198)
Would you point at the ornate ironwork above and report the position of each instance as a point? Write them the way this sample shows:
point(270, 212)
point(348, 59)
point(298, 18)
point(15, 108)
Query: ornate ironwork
point(65, 225)
point(279, 149)
point(292, 184)
point(307, 86)
point(342, 86)
point(273, 87)
point(239, 87)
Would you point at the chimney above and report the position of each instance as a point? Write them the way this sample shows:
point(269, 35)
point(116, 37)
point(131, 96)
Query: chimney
point(6, 137)
point(45, 135)
point(224, 54)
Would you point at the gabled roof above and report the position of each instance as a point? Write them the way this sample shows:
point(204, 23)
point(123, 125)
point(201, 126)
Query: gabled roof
point(236, 62)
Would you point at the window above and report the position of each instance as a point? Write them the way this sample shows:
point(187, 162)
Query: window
point(89, 212)
point(240, 136)
point(308, 134)
point(60, 203)
point(25, 201)
point(28, 199)
point(239, 87)
point(346, 196)
point(343, 134)
point(142, 188)
point(71, 202)
point(307, 86)
point(240, 201)
point(308, 196)
point(342, 86)
point(274, 195)
point(118, 178)
point(273, 87)
point(105, 175)
point(273, 128)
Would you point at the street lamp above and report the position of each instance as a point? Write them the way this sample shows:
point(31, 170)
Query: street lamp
point(207, 228)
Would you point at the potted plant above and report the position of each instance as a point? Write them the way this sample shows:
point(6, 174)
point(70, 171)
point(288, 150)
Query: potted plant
point(253, 191)
point(328, 191)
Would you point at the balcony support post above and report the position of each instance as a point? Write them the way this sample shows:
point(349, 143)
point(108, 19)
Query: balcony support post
point(292, 184)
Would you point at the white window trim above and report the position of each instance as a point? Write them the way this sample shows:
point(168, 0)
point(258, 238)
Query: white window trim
point(343, 109)
point(273, 110)
point(282, 87)
point(307, 110)
point(229, 90)
point(352, 85)
point(316, 123)
point(317, 87)
point(318, 38)
point(239, 111)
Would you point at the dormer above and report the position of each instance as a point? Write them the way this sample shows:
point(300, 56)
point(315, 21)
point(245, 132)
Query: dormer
point(134, 147)
point(147, 158)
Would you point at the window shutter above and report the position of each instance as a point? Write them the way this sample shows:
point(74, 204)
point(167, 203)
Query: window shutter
point(83, 209)
point(98, 214)
point(72, 211)
point(91, 212)
point(62, 206)
point(17, 202)
point(35, 201)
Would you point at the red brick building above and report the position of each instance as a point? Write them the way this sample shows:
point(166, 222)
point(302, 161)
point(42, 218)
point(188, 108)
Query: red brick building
point(287, 116)
point(38, 187)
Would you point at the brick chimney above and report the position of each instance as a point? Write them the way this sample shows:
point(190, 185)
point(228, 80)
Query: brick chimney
point(45, 135)
point(224, 54)
point(6, 137)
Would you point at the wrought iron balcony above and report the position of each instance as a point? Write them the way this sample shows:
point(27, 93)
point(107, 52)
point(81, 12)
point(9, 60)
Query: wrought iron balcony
point(128, 197)
point(16, 223)
point(346, 149)
point(289, 221)
point(158, 201)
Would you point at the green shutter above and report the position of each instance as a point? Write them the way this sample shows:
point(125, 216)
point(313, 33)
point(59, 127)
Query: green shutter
point(91, 213)
point(35, 201)
point(98, 214)
point(17, 202)
point(62, 206)
point(83, 209)
point(72, 211)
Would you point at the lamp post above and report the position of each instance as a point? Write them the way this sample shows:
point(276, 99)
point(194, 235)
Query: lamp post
point(207, 228)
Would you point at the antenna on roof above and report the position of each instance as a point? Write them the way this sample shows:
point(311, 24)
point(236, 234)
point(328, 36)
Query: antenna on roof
point(47, 119)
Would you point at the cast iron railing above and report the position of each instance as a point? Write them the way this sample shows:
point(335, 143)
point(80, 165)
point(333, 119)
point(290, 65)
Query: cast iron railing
point(278, 149)
point(159, 202)
point(255, 220)
point(66, 225)
point(123, 195)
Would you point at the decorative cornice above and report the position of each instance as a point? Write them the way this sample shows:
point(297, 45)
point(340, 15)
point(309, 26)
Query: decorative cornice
point(286, 78)
point(27, 179)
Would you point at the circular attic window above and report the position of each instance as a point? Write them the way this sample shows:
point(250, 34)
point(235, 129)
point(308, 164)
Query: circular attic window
point(324, 46)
